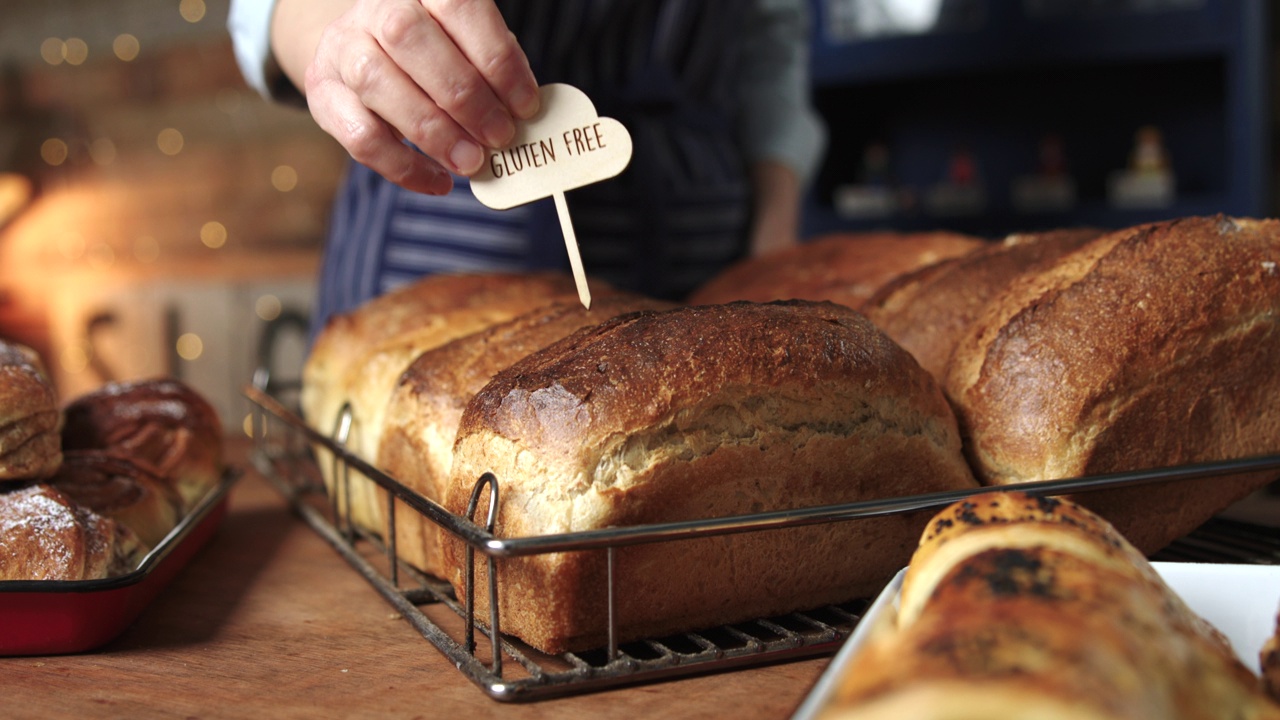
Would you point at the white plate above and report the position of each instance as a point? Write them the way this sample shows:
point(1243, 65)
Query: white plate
point(1239, 600)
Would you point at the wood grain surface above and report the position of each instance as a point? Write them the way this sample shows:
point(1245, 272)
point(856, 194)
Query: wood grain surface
point(269, 622)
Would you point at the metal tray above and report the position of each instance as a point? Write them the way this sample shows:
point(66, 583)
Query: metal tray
point(52, 617)
point(282, 453)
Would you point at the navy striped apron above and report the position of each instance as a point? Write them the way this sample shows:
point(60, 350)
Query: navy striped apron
point(677, 215)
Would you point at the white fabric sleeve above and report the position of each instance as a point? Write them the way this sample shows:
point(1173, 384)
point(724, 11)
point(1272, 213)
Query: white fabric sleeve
point(778, 119)
point(249, 23)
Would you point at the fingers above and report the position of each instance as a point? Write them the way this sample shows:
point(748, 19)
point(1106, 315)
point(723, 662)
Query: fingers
point(372, 142)
point(446, 75)
point(480, 33)
point(384, 89)
point(427, 48)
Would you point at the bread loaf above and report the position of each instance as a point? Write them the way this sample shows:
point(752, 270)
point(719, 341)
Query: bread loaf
point(845, 268)
point(137, 456)
point(695, 413)
point(119, 488)
point(160, 423)
point(1269, 662)
point(47, 536)
point(427, 403)
point(29, 416)
point(1153, 346)
point(1016, 607)
point(358, 356)
point(928, 309)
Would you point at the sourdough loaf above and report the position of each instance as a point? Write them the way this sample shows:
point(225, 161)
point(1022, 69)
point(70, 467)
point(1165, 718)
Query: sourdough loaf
point(927, 309)
point(29, 416)
point(695, 413)
point(1153, 346)
point(423, 414)
point(845, 268)
point(358, 356)
point(1017, 607)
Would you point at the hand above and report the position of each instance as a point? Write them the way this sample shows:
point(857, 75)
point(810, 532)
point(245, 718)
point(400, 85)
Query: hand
point(447, 76)
point(775, 221)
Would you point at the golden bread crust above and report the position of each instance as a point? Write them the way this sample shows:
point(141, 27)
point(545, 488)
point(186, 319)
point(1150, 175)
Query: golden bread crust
point(844, 268)
point(427, 403)
point(1151, 346)
point(359, 355)
point(1048, 613)
point(702, 412)
point(928, 309)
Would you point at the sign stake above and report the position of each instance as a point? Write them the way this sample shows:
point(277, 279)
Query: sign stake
point(571, 244)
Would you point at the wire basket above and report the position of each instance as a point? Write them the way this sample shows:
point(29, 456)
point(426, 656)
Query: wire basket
point(508, 670)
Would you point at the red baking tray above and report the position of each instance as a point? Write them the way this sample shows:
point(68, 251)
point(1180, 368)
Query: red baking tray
point(52, 617)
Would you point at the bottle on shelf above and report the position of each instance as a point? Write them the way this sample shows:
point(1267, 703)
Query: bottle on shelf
point(1148, 181)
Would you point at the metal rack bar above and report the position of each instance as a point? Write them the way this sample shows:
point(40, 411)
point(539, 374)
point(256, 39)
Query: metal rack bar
point(547, 676)
point(487, 543)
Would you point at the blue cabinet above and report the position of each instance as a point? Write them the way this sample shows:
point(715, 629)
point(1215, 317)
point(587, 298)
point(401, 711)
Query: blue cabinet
point(993, 95)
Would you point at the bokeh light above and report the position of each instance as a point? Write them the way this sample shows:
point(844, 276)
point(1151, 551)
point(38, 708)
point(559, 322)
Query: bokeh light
point(126, 47)
point(213, 234)
point(75, 51)
point(170, 141)
point(53, 50)
point(54, 151)
point(268, 307)
point(102, 151)
point(189, 346)
point(192, 10)
point(284, 178)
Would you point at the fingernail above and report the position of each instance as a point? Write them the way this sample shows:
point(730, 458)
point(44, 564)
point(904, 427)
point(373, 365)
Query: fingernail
point(466, 156)
point(525, 101)
point(497, 128)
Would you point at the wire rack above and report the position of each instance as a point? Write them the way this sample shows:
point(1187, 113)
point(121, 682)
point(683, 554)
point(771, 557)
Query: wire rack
point(510, 671)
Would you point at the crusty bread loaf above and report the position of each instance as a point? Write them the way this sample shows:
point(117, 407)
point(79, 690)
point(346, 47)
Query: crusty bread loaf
point(47, 536)
point(1269, 662)
point(845, 268)
point(137, 456)
point(358, 356)
point(694, 413)
point(928, 309)
point(422, 418)
point(1153, 346)
point(29, 416)
point(117, 487)
point(160, 423)
point(1016, 607)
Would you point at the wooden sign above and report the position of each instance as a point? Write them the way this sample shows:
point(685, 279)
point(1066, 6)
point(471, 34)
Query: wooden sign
point(565, 146)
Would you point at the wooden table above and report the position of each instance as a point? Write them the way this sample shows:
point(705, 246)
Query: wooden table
point(268, 621)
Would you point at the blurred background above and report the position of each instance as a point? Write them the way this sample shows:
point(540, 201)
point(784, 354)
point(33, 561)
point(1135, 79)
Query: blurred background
point(155, 213)
point(157, 217)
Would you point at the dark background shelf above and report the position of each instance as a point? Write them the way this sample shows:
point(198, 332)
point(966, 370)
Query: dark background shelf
point(994, 77)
